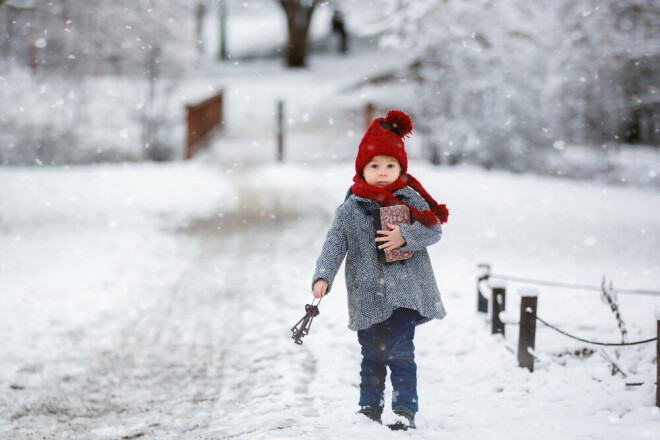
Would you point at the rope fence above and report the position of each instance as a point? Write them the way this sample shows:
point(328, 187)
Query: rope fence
point(496, 283)
point(604, 344)
point(570, 285)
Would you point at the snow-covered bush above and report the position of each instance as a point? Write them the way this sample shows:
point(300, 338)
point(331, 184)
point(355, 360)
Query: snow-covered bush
point(501, 82)
point(605, 67)
point(91, 81)
point(97, 37)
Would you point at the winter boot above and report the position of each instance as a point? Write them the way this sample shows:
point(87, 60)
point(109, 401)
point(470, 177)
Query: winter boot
point(373, 412)
point(406, 419)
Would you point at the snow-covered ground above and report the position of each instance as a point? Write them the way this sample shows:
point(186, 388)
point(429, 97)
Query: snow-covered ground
point(156, 301)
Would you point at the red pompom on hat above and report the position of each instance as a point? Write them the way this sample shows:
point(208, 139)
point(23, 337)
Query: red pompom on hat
point(384, 137)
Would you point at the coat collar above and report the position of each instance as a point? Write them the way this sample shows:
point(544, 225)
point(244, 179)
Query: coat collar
point(403, 193)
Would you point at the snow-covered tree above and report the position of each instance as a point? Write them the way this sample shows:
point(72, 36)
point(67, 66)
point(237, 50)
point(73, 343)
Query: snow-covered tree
point(481, 66)
point(606, 67)
point(500, 80)
point(96, 36)
point(65, 43)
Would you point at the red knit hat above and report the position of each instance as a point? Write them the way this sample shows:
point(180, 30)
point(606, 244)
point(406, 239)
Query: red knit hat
point(384, 137)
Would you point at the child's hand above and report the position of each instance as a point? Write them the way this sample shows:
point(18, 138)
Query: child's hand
point(391, 239)
point(320, 286)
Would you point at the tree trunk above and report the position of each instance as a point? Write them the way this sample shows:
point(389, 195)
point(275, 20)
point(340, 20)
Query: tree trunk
point(296, 52)
point(298, 16)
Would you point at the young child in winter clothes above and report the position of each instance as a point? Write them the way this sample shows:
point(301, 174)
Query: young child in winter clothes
point(385, 300)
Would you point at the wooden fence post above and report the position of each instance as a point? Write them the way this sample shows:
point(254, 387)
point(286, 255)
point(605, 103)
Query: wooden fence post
point(34, 63)
point(280, 130)
point(498, 305)
point(527, 335)
point(483, 273)
point(222, 19)
point(368, 115)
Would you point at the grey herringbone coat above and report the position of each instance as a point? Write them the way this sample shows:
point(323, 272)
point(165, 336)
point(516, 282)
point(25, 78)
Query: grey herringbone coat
point(376, 289)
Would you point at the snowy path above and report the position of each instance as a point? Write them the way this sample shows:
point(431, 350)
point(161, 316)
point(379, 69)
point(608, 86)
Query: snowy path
point(204, 352)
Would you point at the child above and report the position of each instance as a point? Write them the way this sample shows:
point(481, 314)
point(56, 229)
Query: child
point(385, 300)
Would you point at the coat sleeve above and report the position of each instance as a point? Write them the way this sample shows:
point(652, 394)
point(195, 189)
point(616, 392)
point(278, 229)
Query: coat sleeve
point(333, 253)
point(417, 235)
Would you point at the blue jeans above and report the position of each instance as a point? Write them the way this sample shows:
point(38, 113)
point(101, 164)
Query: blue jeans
point(389, 344)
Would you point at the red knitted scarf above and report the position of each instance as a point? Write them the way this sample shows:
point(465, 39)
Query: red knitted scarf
point(384, 197)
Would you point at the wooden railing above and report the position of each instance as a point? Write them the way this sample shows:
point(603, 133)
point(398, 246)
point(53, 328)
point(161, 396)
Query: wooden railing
point(202, 121)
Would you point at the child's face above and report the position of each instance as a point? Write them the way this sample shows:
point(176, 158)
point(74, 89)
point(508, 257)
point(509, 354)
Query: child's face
point(382, 171)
